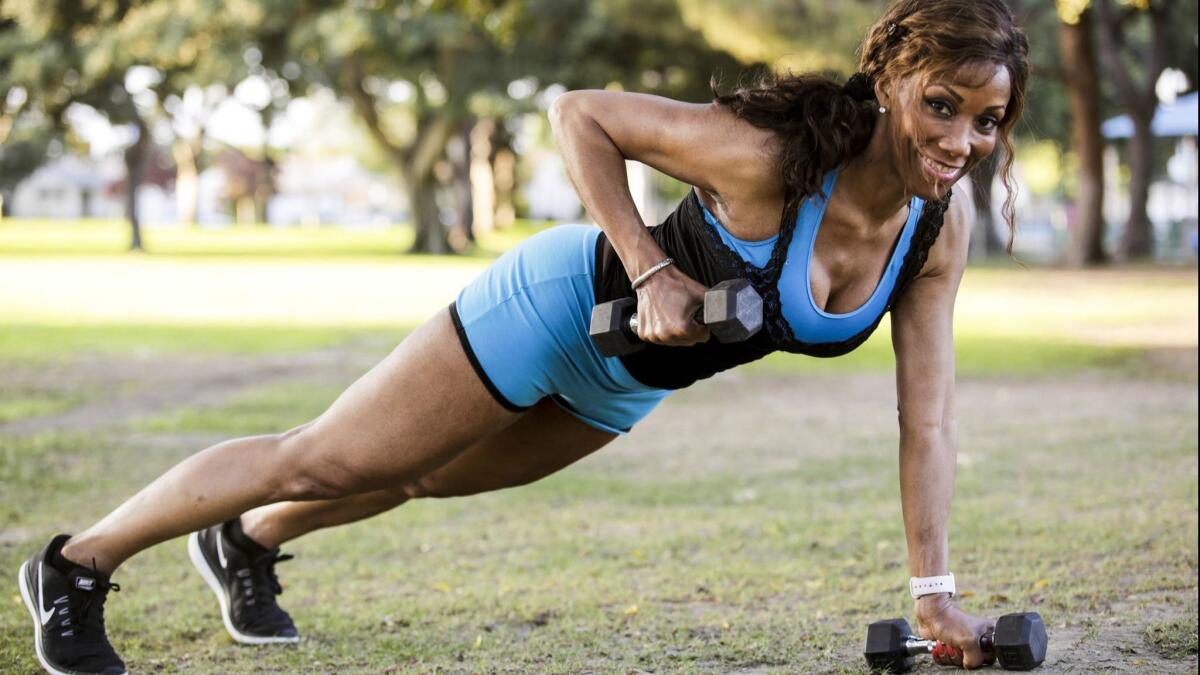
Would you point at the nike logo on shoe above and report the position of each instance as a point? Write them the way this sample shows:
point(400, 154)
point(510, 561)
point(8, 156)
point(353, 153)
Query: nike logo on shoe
point(221, 551)
point(43, 615)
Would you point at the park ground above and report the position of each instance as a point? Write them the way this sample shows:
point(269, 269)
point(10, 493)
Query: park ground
point(751, 524)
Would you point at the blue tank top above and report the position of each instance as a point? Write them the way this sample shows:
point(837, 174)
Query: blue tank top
point(808, 322)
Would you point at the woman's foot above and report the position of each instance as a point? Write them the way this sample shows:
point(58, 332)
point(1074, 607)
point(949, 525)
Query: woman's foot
point(66, 602)
point(242, 575)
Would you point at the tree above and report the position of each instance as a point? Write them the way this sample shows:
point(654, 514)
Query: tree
point(26, 130)
point(1082, 80)
point(419, 74)
point(73, 55)
point(1140, 101)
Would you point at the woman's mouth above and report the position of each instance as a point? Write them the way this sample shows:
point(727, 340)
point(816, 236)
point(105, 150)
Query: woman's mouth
point(944, 173)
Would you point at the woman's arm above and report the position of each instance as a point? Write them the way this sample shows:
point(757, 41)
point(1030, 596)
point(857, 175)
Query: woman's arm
point(703, 145)
point(922, 336)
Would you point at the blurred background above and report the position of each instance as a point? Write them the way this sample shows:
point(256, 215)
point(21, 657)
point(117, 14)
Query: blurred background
point(427, 119)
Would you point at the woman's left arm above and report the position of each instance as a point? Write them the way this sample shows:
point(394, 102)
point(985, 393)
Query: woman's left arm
point(923, 340)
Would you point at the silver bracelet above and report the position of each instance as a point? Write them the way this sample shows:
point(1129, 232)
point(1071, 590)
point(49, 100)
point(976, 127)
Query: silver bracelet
point(645, 276)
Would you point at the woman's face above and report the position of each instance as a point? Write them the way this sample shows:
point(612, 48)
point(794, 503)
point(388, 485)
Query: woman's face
point(948, 126)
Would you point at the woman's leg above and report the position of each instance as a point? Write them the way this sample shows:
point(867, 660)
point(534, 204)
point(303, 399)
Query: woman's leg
point(544, 440)
point(409, 415)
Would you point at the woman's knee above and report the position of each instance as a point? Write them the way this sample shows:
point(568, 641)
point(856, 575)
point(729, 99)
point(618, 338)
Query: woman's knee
point(315, 468)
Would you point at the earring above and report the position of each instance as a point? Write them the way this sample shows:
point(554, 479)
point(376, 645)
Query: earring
point(883, 109)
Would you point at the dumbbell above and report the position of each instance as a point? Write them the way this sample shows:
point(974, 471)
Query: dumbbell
point(732, 311)
point(1018, 643)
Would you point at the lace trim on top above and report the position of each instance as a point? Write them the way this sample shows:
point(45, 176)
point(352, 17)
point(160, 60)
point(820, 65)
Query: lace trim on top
point(766, 279)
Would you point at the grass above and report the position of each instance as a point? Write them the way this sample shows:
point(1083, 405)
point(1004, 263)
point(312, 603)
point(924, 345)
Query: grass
point(89, 238)
point(690, 546)
point(1175, 639)
point(756, 537)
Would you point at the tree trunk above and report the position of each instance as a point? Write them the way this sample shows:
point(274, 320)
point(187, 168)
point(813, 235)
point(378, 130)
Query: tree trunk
point(1140, 101)
point(982, 178)
point(433, 131)
point(1082, 81)
point(422, 200)
point(264, 188)
point(483, 181)
point(1138, 239)
point(458, 154)
point(135, 170)
point(187, 183)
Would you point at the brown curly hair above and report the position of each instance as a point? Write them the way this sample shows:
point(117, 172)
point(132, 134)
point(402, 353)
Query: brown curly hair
point(823, 123)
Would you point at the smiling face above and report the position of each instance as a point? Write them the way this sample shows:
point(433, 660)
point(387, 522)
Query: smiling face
point(946, 125)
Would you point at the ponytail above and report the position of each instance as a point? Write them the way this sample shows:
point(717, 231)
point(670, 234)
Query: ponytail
point(821, 124)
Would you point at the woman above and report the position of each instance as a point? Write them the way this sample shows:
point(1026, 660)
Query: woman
point(833, 200)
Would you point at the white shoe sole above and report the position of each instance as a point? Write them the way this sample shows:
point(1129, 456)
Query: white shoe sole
point(201, 565)
point(27, 596)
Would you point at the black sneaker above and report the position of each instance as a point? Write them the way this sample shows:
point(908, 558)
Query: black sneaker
point(66, 602)
point(242, 574)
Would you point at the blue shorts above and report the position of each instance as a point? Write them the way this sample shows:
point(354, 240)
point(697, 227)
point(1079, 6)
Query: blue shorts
point(524, 326)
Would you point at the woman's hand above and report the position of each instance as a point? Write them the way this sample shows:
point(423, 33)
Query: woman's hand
point(939, 619)
point(667, 304)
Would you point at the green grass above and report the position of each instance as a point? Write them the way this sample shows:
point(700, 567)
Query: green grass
point(27, 344)
point(1175, 639)
point(681, 549)
point(25, 237)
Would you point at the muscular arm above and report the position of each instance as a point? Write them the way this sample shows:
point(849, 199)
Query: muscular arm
point(922, 336)
point(703, 145)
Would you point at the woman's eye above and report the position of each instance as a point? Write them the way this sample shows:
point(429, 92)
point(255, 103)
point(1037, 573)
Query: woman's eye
point(990, 123)
point(939, 107)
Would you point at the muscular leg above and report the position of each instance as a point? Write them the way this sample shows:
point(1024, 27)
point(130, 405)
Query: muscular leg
point(412, 413)
point(542, 441)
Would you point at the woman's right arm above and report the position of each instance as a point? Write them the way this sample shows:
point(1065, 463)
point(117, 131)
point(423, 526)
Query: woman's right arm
point(703, 145)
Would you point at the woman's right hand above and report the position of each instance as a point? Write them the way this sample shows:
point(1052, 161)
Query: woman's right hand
point(667, 305)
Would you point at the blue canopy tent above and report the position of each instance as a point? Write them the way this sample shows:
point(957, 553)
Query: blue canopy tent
point(1170, 120)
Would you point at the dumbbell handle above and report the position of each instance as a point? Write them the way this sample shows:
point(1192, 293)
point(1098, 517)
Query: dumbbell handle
point(698, 317)
point(915, 645)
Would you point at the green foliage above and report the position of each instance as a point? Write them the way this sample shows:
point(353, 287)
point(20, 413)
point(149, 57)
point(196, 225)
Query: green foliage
point(806, 35)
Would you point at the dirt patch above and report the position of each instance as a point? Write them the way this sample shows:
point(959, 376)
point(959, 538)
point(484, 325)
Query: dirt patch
point(122, 389)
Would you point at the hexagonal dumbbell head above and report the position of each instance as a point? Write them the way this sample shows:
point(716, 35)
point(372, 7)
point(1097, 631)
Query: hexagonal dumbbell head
point(1020, 641)
point(886, 649)
point(733, 310)
point(610, 330)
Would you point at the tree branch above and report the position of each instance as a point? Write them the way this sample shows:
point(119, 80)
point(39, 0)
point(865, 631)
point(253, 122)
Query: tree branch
point(352, 83)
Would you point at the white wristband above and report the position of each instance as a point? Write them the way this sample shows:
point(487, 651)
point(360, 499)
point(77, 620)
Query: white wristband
point(919, 586)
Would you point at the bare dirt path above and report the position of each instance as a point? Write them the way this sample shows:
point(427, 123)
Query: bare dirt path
point(123, 388)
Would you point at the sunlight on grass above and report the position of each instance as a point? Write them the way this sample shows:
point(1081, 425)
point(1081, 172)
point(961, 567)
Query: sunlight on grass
point(111, 238)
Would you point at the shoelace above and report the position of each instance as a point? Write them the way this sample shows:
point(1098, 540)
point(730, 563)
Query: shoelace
point(264, 593)
point(81, 619)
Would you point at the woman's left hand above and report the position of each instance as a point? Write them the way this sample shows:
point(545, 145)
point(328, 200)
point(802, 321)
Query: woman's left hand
point(939, 619)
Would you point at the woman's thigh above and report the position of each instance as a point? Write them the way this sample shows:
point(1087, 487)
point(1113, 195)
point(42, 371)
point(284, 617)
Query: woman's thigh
point(543, 440)
point(410, 414)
